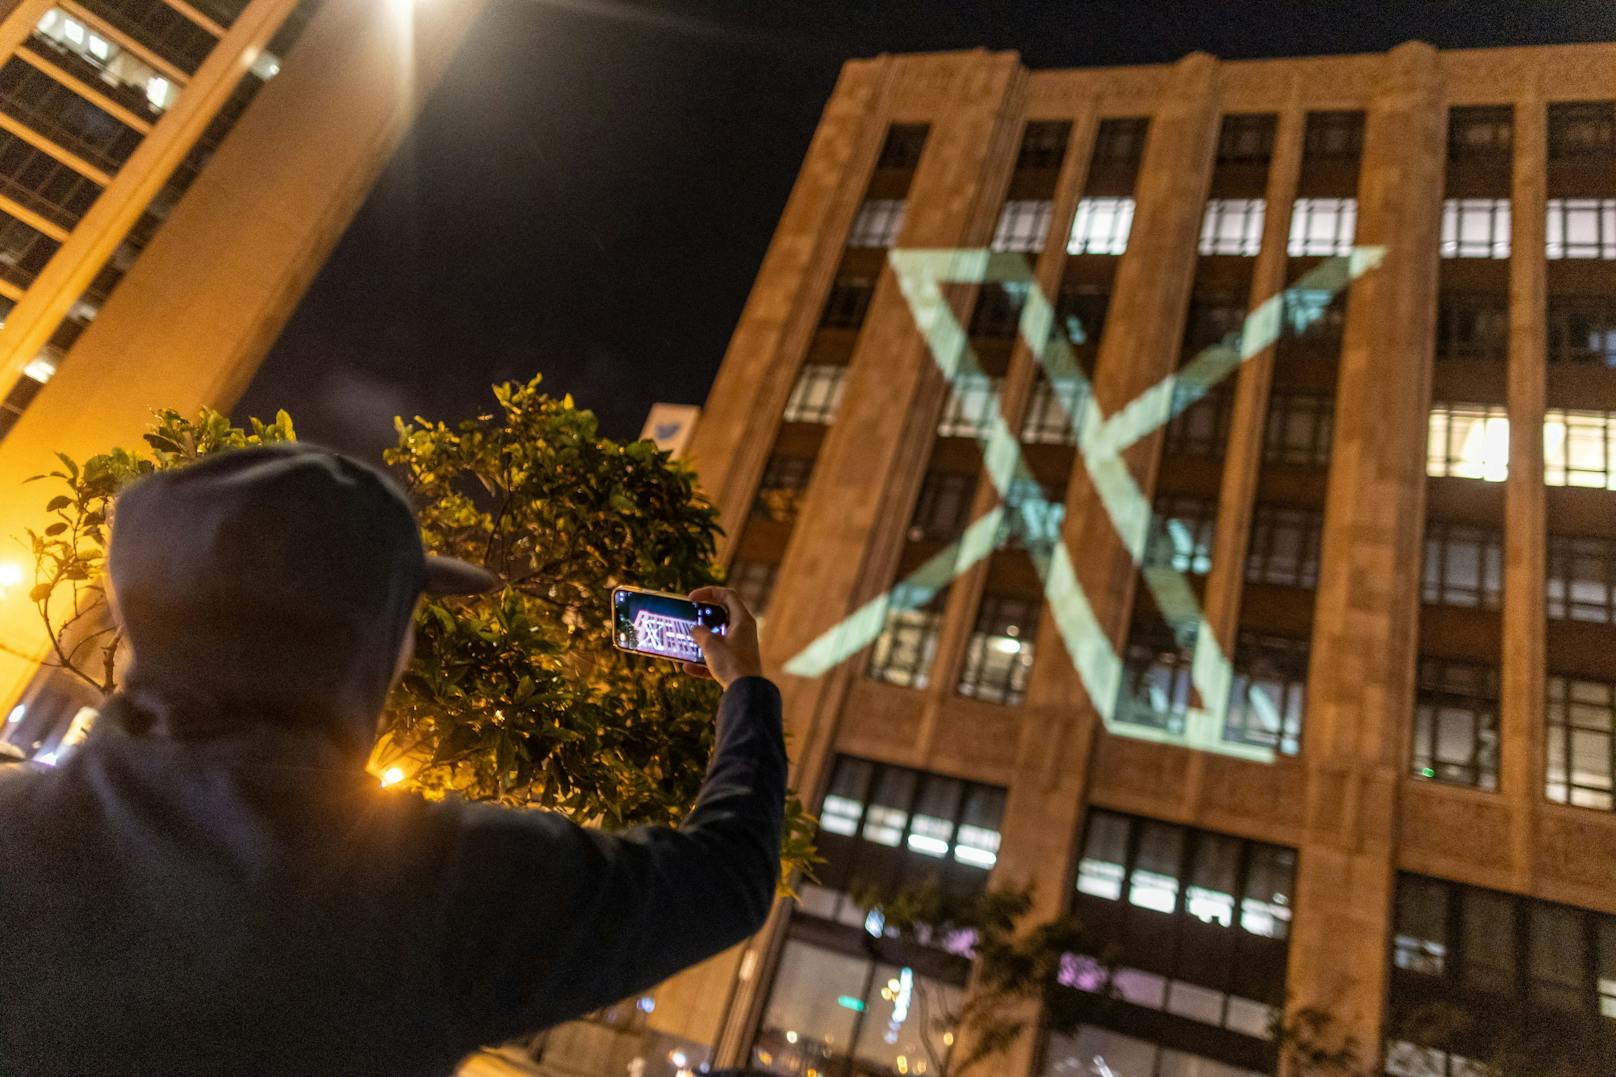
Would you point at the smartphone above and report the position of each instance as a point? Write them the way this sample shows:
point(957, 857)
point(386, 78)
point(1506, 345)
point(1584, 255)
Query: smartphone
point(658, 624)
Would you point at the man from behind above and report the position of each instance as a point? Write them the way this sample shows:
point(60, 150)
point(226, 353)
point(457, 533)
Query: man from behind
point(213, 884)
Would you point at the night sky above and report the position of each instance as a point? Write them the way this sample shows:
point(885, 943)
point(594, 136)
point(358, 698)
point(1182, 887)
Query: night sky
point(593, 186)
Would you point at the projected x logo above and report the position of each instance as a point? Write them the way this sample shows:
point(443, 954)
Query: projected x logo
point(1100, 441)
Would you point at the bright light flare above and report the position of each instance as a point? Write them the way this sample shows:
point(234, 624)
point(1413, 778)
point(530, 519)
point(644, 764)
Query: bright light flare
point(392, 776)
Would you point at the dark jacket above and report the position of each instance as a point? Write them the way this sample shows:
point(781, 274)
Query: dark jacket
point(245, 900)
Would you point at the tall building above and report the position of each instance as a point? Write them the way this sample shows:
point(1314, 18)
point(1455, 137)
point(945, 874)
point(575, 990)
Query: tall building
point(1186, 490)
point(172, 175)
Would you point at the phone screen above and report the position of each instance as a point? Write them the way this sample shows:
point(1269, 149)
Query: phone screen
point(658, 624)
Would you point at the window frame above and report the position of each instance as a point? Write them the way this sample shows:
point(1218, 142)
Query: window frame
point(1470, 689)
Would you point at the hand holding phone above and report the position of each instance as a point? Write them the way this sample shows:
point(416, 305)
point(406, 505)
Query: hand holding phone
point(711, 625)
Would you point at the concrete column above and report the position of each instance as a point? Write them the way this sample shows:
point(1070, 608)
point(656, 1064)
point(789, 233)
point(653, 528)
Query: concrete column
point(1521, 731)
point(1361, 682)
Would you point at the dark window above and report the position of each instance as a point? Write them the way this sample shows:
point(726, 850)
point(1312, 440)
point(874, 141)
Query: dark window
point(23, 251)
point(1472, 325)
point(1484, 133)
point(1182, 526)
point(1201, 920)
point(878, 223)
point(1581, 579)
point(34, 179)
point(1582, 129)
point(903, 145)
point(1032, 515)
point(1333, 136)
point(1269, 696)
point(848, 302)
point(1313, 314)
point(1299, 428)
point(1202, 428)
point(64, 117)
point(903, 652)
point(1284, 546)
point(998, 656)
point(754, 582)
point(817, 394)
point(1582, 329)
point(160, 28)
point(783, 488)
point(1581, 718)
point(1215, 319)
point(1464, 565)
point(1043, 144)
point(1080, 314)
point(998, 310)
point(943, 507)
point(1120, 142)
point(1055, 412)
point(1156, 685)
point(1456, 723)
point(1246, 139)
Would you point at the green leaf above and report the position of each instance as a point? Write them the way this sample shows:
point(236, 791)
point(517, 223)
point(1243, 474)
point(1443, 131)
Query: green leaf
point(40, 592)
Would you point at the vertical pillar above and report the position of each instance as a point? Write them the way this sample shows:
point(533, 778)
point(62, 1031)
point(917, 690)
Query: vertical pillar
point(1521, 732)
point(1364, 636)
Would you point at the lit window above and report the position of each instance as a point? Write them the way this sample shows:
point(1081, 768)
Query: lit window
point(98, 47)
point(1323, 226)
point(1475, 228)
point(1580, 719)
point(1468, 441)
point(903, 652)
point(1232, 226)
point(160, 92)
point(931, 829)
point(1181, 535)
point(1269, 694)
point(1155, 688)
point(817, 395)
point(1456, 724)
point(41, 368)
point(998, 656)
point(1578, 449)
point(1464, 565)
point(973, 400)
point(887, 815)
point(1581, 228)
point(1153, 883)
point(1101, 226)
point(877, 223)
point(1023, 224)
point(1055, 414)
point(1105, 856)
point(840, 815)
point(977, 843)
point(73, 30)
point(1581, 579)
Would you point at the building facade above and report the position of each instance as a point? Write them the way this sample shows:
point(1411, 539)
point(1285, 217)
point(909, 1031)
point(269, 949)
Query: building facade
point(1224, 549)
point(172, 176)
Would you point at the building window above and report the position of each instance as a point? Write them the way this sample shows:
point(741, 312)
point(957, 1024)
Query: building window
point(146, 90)
point(1156, 683)
point(1298, 429)
point(1120, 142)
point(23, 251)
point(1581, 584)
point(754, 582)
point(1513, 965)
point(1581, 228)
point(1468, 441)
point(1089, 1046)
point(1472, 325)
point(1214, 320)
point(1232, 226)
point(1456, 723)
point(1043, 144)
point(817, 395)
point(1181, 533)
point(1055, 413)
point(877, 223)
point(1312, 314)
point(1246, 139)
point(1581, 720)
point(973, 401)
point(1579, 130)
point(1270, 693)
point(1475, 228)
point(1331, 136)
point(1201, 429)
point(1032, 516)
point(998, 656)
point(1323, 226)
point(1101, 226)
point(903, 145)
point(69, 120)
point(1023, 224)
point(848, 302)
point(943, 506)
point(1080, 314)
point(33, 178)
point(998, 310)
point(1485, 133)
point(1202, 920)
point(1284, 547)
point(1464, 565)
point(1582, 329)
point(783, 488)
point(1577, 448)
point(903, 652)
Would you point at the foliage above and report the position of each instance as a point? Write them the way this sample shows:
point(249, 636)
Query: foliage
point(516, 697)
point(1016, 970)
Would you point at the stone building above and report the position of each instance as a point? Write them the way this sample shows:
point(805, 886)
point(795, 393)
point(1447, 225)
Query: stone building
point(1296, 383)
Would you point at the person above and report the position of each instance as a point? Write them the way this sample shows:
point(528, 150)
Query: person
point(213, 885)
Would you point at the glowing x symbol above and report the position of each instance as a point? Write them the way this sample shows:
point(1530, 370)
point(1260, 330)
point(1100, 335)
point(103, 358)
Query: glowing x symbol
point(1101, 442)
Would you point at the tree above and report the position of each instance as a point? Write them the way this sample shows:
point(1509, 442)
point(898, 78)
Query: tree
point(1018, 970)
point(516, 697)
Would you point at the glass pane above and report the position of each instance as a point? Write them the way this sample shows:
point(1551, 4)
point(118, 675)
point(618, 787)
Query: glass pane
point(844, 803)
point(1105, 853)
point(1154, 883)
point(933, 827)
point(1489, 940)
point(888, 813)
point(1265, 909)
point(1210, 896)
point(806, 1015)
point(895, 1032)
